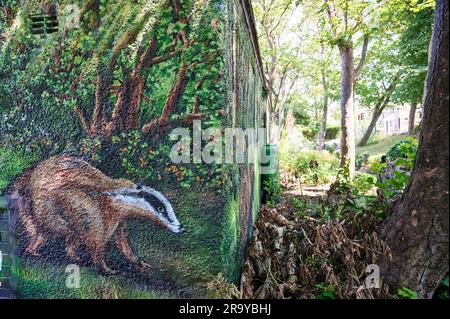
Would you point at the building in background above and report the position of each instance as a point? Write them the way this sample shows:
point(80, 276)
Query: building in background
point(392, 121)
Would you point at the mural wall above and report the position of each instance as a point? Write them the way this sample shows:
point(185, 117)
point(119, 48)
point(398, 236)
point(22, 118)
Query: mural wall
point(105, 107)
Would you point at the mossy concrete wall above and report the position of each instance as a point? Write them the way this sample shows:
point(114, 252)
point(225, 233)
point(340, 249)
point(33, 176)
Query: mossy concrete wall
point(203, 68)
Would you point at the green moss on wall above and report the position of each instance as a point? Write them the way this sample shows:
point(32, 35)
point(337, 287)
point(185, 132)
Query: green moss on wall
point(44, 281)
point(230, 241)
point(217, 225)
point(12, 163)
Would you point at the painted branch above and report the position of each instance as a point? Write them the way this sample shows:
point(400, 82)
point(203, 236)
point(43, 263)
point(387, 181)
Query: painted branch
point(105, 79)
point(83, 120)
point(174, 97)
point(159, 126)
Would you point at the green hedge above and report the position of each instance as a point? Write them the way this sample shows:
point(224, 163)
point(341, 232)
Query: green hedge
point(332, 132)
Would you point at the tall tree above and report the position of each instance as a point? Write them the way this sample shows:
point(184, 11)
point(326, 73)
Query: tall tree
point(413, 49)
point(280, 54)
point(382, 75)
point(321, 69)
point(347, 18)
point(417, 229)
point(398, 59)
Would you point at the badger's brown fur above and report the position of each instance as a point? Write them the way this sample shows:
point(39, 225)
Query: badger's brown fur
point(66, 197)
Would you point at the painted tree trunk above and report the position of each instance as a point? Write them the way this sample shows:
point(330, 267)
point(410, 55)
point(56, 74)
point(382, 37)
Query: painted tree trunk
point(417, 229)
point(412, 118)
point(347, 162)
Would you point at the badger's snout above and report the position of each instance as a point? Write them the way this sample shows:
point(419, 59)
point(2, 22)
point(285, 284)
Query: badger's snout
point(182, 230)
point(155, 203)
point(176, 228)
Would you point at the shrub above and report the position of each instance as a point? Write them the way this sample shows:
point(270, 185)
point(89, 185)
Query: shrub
point(406, 293)
point(310, 133)
point(406, 148)
point(361, 160)
point(374, 139)
point(332, 148)
point(332, 132)
point(363, 182)
point(442, 292)
point(326, 291)
point(394, 169)
point(131, 155)
point(274, 190)
point(314, 167)
point(306, 207)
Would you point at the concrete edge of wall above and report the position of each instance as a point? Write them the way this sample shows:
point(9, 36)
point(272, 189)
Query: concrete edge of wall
point(250, 19)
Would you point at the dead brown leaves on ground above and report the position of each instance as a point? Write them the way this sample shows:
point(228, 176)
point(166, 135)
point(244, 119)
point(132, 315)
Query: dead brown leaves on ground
point(298, 258)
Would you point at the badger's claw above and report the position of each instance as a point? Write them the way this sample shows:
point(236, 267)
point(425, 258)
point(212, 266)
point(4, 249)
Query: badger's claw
point(143, 266)
point(32, 252)
point(108, 271)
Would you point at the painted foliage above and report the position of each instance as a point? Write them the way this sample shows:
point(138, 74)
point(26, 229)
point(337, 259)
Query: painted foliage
point(90, 94)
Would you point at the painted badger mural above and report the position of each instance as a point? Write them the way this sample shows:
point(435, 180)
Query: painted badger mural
point(68, 198)
point(112, 81)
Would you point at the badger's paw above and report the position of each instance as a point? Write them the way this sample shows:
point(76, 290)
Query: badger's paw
point(107, 271)
point(143, 266)
point(35, 244)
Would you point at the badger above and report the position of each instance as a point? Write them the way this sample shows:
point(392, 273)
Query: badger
point(68, 198)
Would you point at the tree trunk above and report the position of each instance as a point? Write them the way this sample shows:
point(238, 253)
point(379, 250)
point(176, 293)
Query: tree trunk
point(417, 228)
point(347, 162)
point(281, 115)
point(323, 126)
point(371, 127)
point(412, 118)
point(381, 105)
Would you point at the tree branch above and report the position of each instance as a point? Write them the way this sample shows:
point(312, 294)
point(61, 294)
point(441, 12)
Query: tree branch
point(362, 60)
point(331, 12)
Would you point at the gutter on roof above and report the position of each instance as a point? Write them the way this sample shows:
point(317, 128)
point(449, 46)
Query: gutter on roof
point(250, 19)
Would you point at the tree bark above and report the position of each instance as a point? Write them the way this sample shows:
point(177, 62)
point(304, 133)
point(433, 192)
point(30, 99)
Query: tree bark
point(412, 118)
point(284, 93)
point(349, 76)
point(347, 162)
point(418, 226)
point(323, 126)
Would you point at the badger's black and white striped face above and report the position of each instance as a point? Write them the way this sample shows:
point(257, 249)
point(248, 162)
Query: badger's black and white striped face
point(153, 201)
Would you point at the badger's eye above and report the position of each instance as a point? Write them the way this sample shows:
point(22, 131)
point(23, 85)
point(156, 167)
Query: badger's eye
point(139, 187)
point(161, 209)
